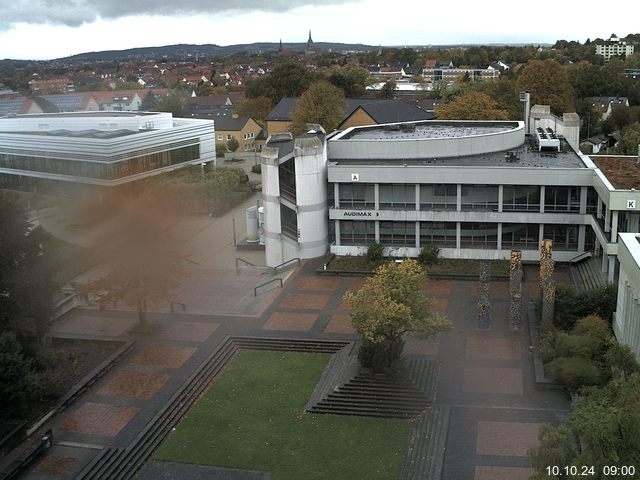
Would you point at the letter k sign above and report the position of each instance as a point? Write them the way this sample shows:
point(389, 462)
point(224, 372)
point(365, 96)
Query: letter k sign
point(631, 204)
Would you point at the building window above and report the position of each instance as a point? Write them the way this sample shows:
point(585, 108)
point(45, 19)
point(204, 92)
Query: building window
point(440, 234)
point(357, 195)
point(438, 197)
point(564, 237)
point(220, 137)
point(523, 236)
point(398, 196)
point(479, 235)
point(480, 197)
point(592, 201)
point(521, 198)
point(398, 234)
point(289, 222)
point(353, 232)
point(287, 174)
point(562, 199)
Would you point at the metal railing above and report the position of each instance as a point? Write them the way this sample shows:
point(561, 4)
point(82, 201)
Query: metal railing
point(283, 266)
point(255, 289)
point(244, 262)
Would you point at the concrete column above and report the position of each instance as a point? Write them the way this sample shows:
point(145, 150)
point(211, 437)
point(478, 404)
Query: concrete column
point(540, 233)
point(417, 197)
point(542, 193)
point(417, 234)
point(599, 208)
point(376, 197)
point(499, 237)
point(377, 229)
point(458, 235)
point(607, 220)
point(500, 197)
point(459, 198)
point(583, 200)
point(582, 233)
point(336, 194)
point(614, 226)
point(612, 269)
point(337, 230)
point(603, 266)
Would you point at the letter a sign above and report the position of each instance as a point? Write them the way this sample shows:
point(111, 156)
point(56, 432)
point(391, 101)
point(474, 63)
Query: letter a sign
point(355, 177)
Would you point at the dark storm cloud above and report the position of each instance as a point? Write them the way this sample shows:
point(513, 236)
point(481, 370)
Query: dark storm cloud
point(76, 12)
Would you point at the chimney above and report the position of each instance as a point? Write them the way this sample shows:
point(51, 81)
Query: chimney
point(525, 98)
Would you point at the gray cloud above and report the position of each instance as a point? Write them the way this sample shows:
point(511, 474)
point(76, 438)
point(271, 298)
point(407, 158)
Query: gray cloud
point(76, 12)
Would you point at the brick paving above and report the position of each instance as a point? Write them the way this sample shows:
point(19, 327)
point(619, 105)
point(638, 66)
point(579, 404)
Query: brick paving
point(140, 385)
point(511, 439)
point(485, 378)
point(291, 321)
point(160, 356)
point(99, 419)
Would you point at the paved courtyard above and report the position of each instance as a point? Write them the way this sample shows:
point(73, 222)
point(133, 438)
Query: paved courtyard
point(486, 376)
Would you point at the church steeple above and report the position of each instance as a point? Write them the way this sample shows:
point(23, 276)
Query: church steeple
point(310, 41)
point(280, 47)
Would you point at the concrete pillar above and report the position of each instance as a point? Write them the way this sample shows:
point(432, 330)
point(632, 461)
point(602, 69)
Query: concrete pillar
point(500, 197)
point(459, 198)
point(417, 197)
point(337, 230)
point(378, 230)
point(540, 233)
point(499, 245)
point(614, 226)
point(583, 200)
point(336, 194)
point(612, 269)
point(599, 208)
point(458, 241)
point(582, 234)
point(607, 220)
point(603, 266)
point(376, 195)
point(417, 234)
point(542, 193)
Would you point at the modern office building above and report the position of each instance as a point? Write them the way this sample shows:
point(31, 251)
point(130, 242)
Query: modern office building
point(626, 324)
point(60, 153)
point(473, 189)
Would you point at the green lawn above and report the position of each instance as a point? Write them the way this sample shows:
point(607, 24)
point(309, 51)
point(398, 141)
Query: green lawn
point(252, 418)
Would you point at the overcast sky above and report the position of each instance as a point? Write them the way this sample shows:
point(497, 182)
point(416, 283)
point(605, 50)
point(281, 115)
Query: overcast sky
point(45, 29)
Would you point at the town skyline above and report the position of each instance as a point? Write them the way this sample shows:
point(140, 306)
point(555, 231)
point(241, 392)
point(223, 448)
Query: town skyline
point(58, 31)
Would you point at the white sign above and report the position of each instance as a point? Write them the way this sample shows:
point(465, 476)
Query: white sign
point(631, 204)
point(355, 177)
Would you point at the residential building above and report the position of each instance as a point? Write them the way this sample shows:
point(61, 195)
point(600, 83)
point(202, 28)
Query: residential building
point(69, 152)
point(244, 129)
point(605, 105)
point(72, 102)
point(614, 47)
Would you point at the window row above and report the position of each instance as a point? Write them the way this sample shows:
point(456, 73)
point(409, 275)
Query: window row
point(515, 198)
point(524, 236)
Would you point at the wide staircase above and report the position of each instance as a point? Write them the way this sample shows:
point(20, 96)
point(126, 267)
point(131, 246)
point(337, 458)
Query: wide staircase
point(374, 395)
point(589, 275)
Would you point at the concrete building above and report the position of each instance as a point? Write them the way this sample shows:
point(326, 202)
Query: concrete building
point(626, 323)
point(473, 189)
point(614, 47)
point(60, 153)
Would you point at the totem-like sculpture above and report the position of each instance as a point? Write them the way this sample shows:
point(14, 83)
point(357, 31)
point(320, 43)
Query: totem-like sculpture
point(483, 295)
point(515, 289)
point(547, 285)
point(548, 301)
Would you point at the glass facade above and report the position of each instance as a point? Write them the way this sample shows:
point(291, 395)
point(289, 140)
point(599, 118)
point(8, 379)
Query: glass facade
point(440, 234)
point(357, 233)
point(480, 197)
point(289, 222)
point(102, 170)
point(287, 175)
point(521, 198)
point(438, 197)
point(479, 235)
point(357, 195)
point(523, 236)
point(564, 237)
point(562, 199)
point(398, 234)
point(397, 196)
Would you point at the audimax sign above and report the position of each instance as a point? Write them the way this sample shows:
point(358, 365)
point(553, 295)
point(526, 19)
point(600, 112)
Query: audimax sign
point(360, 213)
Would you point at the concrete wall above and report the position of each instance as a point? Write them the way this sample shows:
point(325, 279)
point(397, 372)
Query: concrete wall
point(627, 319)
point(567, 126)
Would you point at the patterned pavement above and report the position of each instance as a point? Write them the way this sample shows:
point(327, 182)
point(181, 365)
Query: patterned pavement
point(486, 376)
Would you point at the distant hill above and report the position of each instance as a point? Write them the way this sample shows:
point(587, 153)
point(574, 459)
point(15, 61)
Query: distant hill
point(186, 50)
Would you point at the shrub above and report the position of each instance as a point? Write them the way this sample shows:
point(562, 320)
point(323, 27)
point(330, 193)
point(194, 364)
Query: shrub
point(594, 327)
point(257, 168)
point(583, 346)
point(621, 361)
point(220, 150)
point(576, 372)
point(428, 255)
point(375, 252)
point(382, 357)
point(570, 306)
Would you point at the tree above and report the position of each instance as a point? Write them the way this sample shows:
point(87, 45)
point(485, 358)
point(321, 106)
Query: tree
point(548, 83)
point(148, 102)
point(352, 81)
point(257, 108)
point(388, 306)
point(472, 106)
point(233, 144)
point(388, 89)
point(602, 430)
point(630, 139)
point(173, 103)
point(143, 264)
point(287, 80)
point(322, 103)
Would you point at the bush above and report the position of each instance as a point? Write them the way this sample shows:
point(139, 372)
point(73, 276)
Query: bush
point(428, 255)
point(576, 372)
point(570, 306)
point(257, 168)
point(375, 252)
point(220, 150)
point(594, 327)
point(621, 361)
point(575, 345)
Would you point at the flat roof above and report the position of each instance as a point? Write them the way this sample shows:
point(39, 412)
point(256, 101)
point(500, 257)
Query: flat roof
point(91, 133)
point(524, 156)
point(622, 171)
point(433, 129)
point(85, 114)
